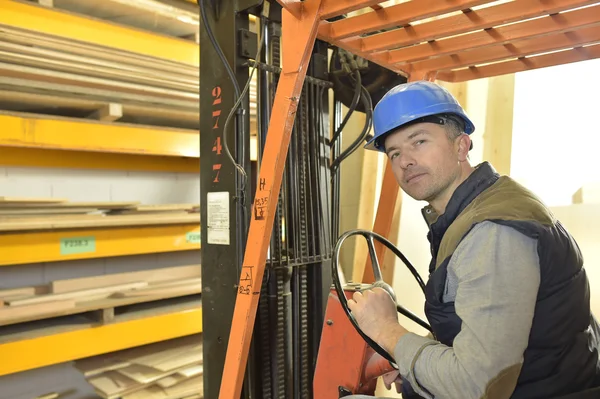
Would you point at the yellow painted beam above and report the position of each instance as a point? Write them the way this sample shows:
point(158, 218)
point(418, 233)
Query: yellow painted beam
point(89, 341)
point(50, 246)
point(46, 158)
point(103, 33)
point(70, 134)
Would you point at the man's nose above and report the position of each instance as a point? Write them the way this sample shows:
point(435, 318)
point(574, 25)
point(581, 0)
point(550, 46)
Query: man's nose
point(407, 160)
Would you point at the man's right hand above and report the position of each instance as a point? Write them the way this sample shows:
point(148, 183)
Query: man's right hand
point(393, 377)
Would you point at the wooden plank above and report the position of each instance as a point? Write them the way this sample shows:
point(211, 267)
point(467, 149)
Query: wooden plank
point(96, 93)
point(42, 75)
point(102, 205)
point(49, 395)
point(149, 209)
point(78, 295)
point(34, 310)
point(177, 288)
point(149, 276)
point(28, 97)
point(91, 52)
point(192, 371)
point(97, 365)
point(30, 201)
point(497, 141)
point(192, 386)
point(44, 212)
point(106, 301)
point(141, 374)
point(25, 291)
point(109, 221)
point(171, 380)
point(108, 113)
point(65, 62)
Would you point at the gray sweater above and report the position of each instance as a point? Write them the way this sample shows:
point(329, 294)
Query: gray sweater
point(493, 279)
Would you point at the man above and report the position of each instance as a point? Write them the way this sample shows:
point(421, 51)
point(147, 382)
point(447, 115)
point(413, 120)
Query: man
point(507, 296)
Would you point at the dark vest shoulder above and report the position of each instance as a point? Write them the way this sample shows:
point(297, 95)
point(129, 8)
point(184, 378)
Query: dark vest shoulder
point(504, 201)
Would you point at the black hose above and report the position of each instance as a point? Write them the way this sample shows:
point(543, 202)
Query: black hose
point(351, 109)
point(363, 136)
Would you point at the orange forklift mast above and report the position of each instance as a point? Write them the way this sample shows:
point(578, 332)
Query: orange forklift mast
point(447, 40)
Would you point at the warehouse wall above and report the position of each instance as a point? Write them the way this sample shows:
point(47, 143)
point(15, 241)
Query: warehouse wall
point(86, 185)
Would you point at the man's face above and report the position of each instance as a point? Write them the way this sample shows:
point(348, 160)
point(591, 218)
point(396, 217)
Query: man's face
point(424, 160)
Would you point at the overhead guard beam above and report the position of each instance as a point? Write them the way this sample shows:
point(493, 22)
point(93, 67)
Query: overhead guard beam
point(398, 15)
point(466, 22)
point(556, 23)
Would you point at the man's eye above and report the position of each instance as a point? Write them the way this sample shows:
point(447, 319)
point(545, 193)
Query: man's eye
point(419, 142)
point(394, 155)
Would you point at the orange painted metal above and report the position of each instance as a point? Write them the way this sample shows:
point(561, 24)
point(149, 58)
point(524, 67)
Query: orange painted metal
point(399, 15)
point(293, 6)
point(344, 357)
point(414, 47)
point(526, 47)
point(465, 22)
point(506, 34)
point(298, 37)
point(334, 8)
point(525, 64)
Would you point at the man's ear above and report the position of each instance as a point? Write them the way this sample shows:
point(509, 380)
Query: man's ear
point(464, 145)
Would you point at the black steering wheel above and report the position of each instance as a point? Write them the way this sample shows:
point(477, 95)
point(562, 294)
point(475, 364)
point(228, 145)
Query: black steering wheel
point(370, 236)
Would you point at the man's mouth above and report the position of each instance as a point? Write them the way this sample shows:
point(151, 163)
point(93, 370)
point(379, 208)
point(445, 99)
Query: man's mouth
point(414, 178)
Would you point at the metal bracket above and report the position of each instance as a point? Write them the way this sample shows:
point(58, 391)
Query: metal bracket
point(247, 44)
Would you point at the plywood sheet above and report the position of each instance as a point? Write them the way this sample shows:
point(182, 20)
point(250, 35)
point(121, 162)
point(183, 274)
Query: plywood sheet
point(29, 201)
point(149, 276)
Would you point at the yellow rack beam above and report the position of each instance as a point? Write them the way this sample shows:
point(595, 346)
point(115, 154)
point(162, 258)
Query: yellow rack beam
point(50, 246)
point(31, 353)
point(46, 158)
point(67, 134)
point(52, 22)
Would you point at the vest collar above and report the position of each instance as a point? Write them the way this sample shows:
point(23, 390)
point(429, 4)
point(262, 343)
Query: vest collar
point(482, 177)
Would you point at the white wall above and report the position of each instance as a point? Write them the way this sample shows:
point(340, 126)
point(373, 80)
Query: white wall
point(555, 149)
point(86, 185)
point(556, 135)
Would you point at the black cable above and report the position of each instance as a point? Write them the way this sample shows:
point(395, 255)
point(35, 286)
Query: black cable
point(363, 136)
point(239, 96)
point(351, 109)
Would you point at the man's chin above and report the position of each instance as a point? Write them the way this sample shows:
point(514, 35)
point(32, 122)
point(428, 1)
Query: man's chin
point(416, 195)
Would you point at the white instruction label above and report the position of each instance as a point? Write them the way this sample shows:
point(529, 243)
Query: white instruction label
point(218, 218)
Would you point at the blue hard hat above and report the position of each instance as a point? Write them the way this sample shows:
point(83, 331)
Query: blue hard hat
point(411, 102)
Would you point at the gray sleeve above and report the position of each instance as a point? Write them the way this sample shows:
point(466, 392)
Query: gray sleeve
point(494, 274)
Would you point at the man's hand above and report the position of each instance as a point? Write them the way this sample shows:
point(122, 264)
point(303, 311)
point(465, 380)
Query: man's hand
point(393, 377)
point(375, 313)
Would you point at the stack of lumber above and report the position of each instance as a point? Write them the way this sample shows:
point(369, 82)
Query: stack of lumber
point(59, 76)
point(18, 214)
point(98, 293)
point(165, 370)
